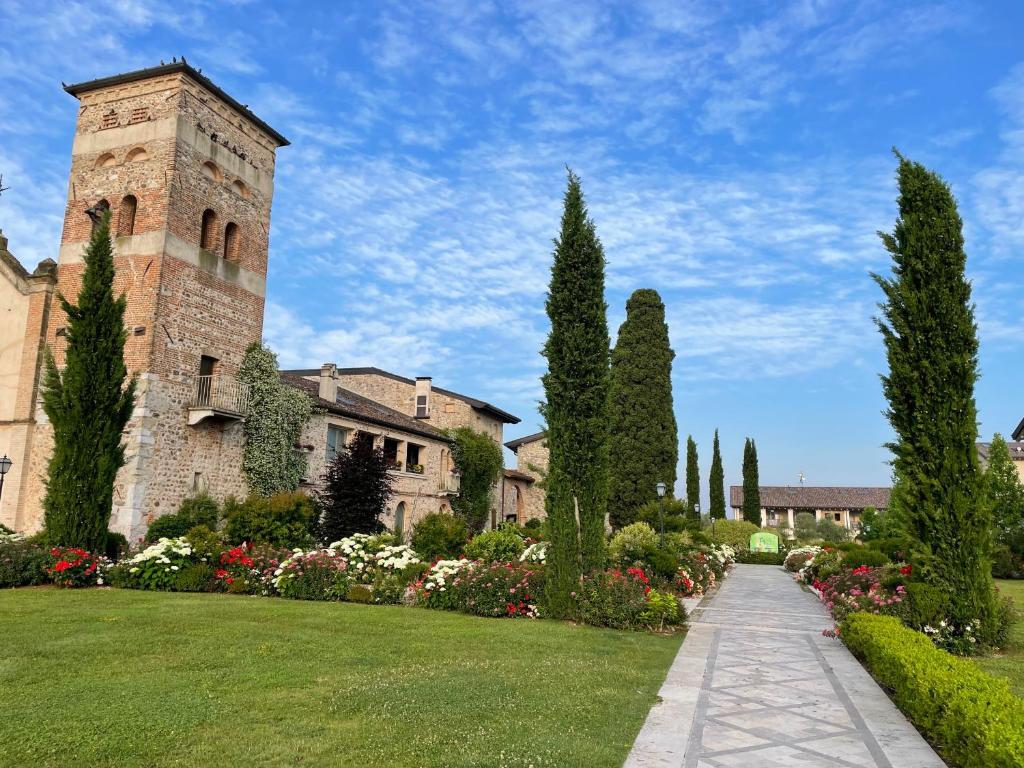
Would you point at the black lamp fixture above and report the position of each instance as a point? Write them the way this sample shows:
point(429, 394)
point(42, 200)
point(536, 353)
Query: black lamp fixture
point(661, 488)
point(5, 467)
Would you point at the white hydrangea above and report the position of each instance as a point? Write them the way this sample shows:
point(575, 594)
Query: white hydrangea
point(160, 549)
point(535, 553)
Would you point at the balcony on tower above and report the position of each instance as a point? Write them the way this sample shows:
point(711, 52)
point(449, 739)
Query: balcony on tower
point(217, 397)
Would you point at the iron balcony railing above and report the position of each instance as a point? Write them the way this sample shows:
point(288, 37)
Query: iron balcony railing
point(221, 393)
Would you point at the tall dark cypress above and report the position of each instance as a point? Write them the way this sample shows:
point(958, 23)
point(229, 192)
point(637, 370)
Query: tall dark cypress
point(717, 482)
point(751, 488)
point(931, 343)
point(576, 404)
point(692, 479)
point(643, 446)
point(576, 407)
point(88, 405)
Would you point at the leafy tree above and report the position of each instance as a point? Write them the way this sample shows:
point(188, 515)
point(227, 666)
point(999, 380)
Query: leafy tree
point(480, 461)
point(692, 479)
point(805, 525)
point(870, 524)
point(751, 484)
point(643, 445)
point(356, 490)
point(1004, 492)
point(717, 481)
point(931, 344)
point(829, 531)
point(277, 415)
point(575, 410)
point(439, 536)
point(88, 405)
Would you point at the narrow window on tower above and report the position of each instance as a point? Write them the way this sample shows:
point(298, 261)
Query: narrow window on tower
point(208, 234)
point(231, 241)
point(126, 216)
point(102, 207)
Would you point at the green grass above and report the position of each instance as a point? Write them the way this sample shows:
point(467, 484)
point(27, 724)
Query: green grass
point(123, 678)
point(1010, 662)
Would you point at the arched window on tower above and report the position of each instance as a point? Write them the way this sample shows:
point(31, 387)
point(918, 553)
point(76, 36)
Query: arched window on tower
point(126, 216)
point(231, 241)
point(102, 207)
point(208, 234)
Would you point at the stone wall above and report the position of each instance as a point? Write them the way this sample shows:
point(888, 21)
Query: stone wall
point(532, 459)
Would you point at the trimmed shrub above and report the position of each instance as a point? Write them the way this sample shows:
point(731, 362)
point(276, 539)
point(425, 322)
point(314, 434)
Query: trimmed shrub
point(199, 510)
point(503, 545)
point(863, 556)
point(761, 558)
point(973, 718)
point(360, 593)
point(283, 520)
point(198, 577)
point(166, 527)
point(675, 515)
point(23, 564)
point(632, 543)
point(735, 533)
point(439, 536)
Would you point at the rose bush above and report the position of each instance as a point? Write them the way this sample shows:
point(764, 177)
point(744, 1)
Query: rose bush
point(74, 567)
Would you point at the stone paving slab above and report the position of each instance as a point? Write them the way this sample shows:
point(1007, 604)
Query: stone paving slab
point(756, 684)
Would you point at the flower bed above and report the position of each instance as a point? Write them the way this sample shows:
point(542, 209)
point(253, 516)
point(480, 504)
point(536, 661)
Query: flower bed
point(74, 567)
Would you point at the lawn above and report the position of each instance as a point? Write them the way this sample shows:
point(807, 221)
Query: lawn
point(105, 677)
point(1010, 663)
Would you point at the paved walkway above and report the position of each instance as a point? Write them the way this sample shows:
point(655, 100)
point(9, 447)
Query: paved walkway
point(756, 685)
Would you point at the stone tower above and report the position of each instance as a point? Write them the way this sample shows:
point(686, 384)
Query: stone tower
point(188, 174)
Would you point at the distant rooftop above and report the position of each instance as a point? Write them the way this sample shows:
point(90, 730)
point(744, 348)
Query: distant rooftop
point(480, 405)
point(1016, 450)
point(1018, 433)
point(809, 497)
point(170, 69)
point(513, 445)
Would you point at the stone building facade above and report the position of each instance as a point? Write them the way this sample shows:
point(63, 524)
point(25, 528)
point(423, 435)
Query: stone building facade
point(527, 480)
point(781, 504)
point(422, 470)
point(188, 175)
point(433, 407)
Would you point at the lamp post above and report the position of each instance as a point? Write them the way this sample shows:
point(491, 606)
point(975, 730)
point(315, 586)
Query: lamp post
point(5, 467)
point(660, 487)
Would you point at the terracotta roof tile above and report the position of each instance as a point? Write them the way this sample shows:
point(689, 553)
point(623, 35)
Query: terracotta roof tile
point(807, 497)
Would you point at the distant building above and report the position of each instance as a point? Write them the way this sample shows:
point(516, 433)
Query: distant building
point(525, 482)
point(781, 504)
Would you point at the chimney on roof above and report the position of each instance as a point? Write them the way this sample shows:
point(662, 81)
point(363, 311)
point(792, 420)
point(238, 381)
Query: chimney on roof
point(423, 386)
point(329, 382)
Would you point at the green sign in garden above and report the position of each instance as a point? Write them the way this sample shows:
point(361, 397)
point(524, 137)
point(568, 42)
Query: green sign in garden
point(764, 542)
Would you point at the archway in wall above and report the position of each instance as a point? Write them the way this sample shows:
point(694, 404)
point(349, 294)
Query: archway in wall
point(400, 521)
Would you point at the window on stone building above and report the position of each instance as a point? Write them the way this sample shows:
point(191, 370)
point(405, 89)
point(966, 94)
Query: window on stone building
point(106, 160)
point(139, 115)
point(208, 234)
point(231, 241)
point(137, 155)
point(110, 120)
point(400, 520)
point(126, 216)
point(391, 452)
point(337, 437)
point(101, 208)
point(413, 458)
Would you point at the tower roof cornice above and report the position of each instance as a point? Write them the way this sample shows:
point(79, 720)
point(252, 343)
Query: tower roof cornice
point(174, 68)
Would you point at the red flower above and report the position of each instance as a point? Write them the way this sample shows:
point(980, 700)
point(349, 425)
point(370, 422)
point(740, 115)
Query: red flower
point(906, 570)
point(220, 573)
point(62, 566)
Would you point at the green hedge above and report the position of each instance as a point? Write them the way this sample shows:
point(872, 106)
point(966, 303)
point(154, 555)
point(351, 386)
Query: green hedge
point(970, 716)
point(761, 558)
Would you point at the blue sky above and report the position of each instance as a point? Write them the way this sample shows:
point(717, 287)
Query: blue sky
point(735, 156)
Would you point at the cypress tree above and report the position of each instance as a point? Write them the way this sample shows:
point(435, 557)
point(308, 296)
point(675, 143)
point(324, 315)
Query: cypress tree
point(717, 481)
point(88, 405)
point(692, 479)
point(643, 446)
point(1004, 492)
point(751, 484)
point(576, 391)
point(357, 487)
point(931, 344)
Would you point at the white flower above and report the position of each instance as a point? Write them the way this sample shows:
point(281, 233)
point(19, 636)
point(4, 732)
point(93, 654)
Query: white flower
point(174, 567)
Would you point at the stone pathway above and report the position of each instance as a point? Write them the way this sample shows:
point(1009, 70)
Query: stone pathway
point(756, 684)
